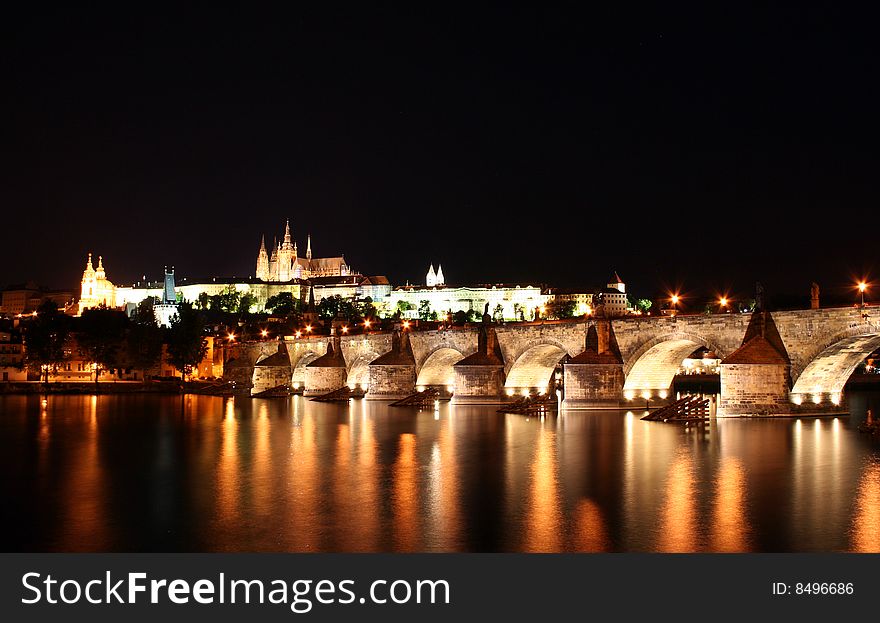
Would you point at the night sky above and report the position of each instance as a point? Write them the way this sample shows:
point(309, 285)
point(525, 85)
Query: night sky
point(701, 150)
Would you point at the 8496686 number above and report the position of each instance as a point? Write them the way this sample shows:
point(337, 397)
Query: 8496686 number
point(824, 588)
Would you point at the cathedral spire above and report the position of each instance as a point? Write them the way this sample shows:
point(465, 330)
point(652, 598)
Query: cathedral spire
point(286, 244)
point(440, 279)
point(89, 264)
point(263, 244)
point(309, 247)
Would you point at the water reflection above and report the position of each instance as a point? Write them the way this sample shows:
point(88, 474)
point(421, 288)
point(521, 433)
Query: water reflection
point(199, 473)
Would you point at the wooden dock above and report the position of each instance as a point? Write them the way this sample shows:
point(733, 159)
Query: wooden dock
point(343, 394)
point(279, 391)
point(534, 404)
point(423, 399)
point(686, 409)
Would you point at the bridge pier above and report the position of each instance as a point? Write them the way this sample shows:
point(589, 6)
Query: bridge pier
point(479, 378)
point(755, 378)
point(594, 378)
point(326, 373)
point(393, 375)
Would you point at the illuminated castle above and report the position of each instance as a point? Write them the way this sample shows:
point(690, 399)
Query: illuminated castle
point(285, 264)
point(97, 290)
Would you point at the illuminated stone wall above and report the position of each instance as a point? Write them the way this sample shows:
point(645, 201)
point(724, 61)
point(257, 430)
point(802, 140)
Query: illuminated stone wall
point(479, 384)
point(391, 382)
point(754, 389)
point(445, 299)
point(321, 380)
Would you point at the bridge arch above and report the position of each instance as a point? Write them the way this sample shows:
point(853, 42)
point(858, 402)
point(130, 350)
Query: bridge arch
point(534, 366)
point(652, 366)
point(826, 371)
point(298, 375)
point(358, 371)
point(437, 367)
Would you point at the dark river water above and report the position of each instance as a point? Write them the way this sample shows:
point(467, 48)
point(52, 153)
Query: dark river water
point(199, 473)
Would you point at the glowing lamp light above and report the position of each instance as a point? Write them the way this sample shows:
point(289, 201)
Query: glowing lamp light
point(629, 394)
point(231, 337)
point(406, 324)
point(450, 388)
point(296, 386)
point(835, 399)
point(264, 333)
point(674, 299)
point(663, 393)
point(817, 398)
point(646, 394)
point(345, 329)
point(308, 328)
point(797, 399)
point(420, 388)
point(299, 334)
point(862, 287)
point(525, 391)
point(723, 301)
point(366, 324)
point(509, 391)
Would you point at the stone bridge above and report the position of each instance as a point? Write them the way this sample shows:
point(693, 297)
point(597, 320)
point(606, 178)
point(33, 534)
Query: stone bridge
point(772, 362)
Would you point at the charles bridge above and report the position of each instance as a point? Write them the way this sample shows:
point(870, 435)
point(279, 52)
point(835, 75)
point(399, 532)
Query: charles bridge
point(772, 363)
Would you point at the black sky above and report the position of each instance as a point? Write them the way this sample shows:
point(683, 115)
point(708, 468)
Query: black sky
point(705, 148)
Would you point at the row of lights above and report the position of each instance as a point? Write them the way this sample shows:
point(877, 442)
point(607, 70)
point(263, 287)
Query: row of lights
point(646, 394)
point(724, 301)
point(816, 398)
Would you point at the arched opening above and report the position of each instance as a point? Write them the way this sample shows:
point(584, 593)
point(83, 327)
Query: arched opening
point(825, 376)
point(533, 370)
point(298, 378)
point(437, 371)
point(359, 371)
point(651, 375)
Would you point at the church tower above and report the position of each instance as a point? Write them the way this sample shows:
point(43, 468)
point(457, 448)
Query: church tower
point(309, 248)
point(431, 278)
point(87, 293)
point(285, 255)
point(263, 261)
point(273, 262)
point(440, 279)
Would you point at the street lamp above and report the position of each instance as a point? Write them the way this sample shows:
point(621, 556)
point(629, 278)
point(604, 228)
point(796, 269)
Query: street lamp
point(674, 299)
point(723, 302)
point(862, 287)
point(231, 337)
point(366, 324)
point(264, 333)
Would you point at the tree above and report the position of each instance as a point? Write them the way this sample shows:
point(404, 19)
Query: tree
point(187, 345)
point(227, 301)
point(425, 310)
point(283, 304)
point(100, 336)
point(44, 339)
point(498, 313)
point(560, 309)
point(642, 304)
point(144, 338)
point(245, 303)
point(404, 306)
point(203, 300)
point(519, 311)
point(337, 307)
point(459, 318)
